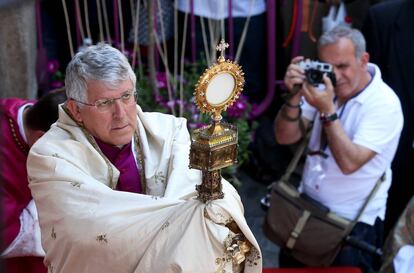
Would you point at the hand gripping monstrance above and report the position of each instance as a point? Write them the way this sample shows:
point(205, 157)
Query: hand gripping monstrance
point(214, 146)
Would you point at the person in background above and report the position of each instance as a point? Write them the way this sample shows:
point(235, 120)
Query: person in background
point(244, 24)
point(112, 180)
point(355, 133)
point(399, 247)
point(23, 122)
point(389, 31)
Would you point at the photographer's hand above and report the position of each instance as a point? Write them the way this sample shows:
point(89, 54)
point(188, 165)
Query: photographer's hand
point(294, 78)
point(288, 124)
point(322, 100)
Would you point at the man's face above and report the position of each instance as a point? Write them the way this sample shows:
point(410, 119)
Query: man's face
point(349, 70)
point(115, 125)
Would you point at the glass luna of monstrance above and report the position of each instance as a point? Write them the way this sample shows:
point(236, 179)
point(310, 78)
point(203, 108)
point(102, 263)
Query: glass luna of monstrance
point(214, 146)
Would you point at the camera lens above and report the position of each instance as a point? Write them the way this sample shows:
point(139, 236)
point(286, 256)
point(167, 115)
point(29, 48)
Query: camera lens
point(314, 76)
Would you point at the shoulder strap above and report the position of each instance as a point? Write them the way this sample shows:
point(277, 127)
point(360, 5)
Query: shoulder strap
point(299, 151)
point(369, 198)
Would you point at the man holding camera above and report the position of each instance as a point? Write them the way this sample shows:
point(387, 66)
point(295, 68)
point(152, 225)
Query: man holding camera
point(357, 121)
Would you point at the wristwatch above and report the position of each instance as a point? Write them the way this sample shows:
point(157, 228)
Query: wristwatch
point(327, 119)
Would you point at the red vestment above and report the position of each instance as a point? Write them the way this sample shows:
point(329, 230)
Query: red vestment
point(15, 193)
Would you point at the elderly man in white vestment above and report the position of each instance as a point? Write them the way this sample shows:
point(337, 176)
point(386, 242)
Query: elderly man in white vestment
point(113, 189)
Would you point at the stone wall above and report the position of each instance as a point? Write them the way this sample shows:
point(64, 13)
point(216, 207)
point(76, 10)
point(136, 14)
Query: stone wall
point(18, 50)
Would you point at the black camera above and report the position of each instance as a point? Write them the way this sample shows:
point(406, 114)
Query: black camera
point(314, 71)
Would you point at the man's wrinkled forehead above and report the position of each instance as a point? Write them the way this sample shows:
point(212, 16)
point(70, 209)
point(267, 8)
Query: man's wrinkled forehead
point(103, 89)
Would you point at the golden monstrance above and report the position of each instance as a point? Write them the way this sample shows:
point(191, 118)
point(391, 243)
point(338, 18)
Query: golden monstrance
point(214, 146)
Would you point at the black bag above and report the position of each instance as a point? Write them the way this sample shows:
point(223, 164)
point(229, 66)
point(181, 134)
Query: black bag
point(312, 234)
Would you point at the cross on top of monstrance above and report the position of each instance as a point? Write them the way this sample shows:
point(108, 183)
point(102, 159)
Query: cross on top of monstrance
point(222, 47)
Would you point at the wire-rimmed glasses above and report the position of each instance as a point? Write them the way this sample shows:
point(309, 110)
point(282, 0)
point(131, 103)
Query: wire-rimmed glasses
point(104, 105)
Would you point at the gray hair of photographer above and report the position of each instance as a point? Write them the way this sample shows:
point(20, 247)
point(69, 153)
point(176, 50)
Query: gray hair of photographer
point(333, 36)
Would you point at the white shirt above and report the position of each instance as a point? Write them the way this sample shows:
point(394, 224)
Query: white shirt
point(404, 261)
point(20, 121)
point(372, 119)
point(219, 9)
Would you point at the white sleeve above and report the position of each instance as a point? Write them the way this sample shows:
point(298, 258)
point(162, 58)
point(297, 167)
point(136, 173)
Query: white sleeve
point(28, 241)
point(404, 260)
point(308, 111)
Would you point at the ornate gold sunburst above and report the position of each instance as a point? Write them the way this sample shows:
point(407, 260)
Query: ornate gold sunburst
point(220, 85)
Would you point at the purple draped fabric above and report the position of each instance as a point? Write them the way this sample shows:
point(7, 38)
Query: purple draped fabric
point(123, 159)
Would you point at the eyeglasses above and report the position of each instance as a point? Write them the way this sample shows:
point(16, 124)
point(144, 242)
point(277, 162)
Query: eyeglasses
point(104, 105)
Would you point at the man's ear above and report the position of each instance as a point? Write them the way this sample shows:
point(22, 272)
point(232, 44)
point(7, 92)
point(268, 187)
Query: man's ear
point(365, 58)
point(74, 110)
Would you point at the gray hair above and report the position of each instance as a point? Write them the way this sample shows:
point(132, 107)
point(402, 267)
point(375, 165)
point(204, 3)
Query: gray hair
point(100, 62)
point(332, 36)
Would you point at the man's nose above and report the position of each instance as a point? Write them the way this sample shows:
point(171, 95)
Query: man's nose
point(337, 73)
point(119, 108)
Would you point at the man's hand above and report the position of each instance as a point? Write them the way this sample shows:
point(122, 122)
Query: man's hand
point(288, 122)
point(294, 76)
point(320, 99)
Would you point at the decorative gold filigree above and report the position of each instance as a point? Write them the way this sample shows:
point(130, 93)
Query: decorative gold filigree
point(253, 257)
point(165, 225)
point(76, 184)
point(221, 262)
point(56, 155)
point(236, 248)
point(22, 147)
point(102, 238)
point(217, 216)
point(160, 178)
point(222, 67)
point(210, 188)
